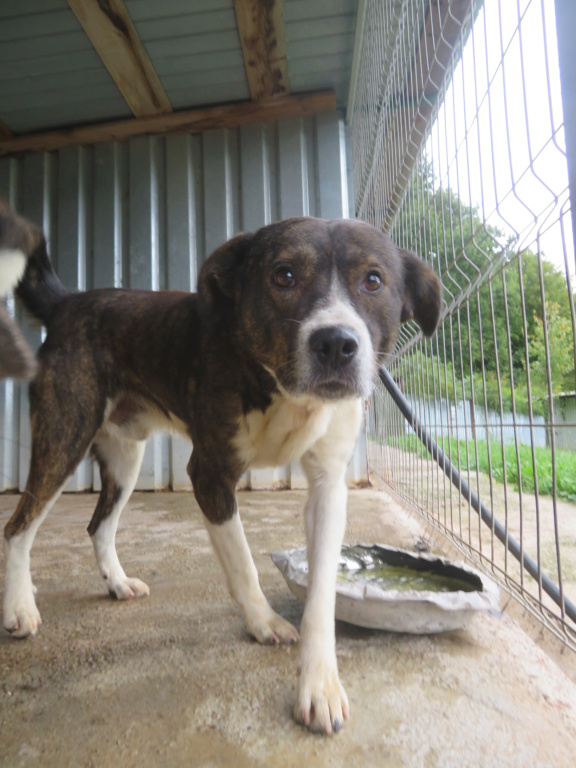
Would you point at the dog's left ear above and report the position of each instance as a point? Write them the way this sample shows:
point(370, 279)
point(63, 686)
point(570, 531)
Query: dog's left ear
point(219, 275)
point(422, 299)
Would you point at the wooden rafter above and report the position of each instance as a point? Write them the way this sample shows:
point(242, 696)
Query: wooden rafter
point(261, 29)
point(190, 121)
point(112, 33)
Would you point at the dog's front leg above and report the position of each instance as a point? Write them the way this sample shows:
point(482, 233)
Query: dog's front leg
point(230, 544)
point(321, 702)
point(215, 493)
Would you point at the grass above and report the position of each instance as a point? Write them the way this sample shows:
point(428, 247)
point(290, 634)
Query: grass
point(519, 471)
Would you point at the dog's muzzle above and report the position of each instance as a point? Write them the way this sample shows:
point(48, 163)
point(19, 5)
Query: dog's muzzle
point(334, 362)
point(334, 347)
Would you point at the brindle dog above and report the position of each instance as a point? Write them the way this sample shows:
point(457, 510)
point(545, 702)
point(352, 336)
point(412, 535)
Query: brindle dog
point(269, 362)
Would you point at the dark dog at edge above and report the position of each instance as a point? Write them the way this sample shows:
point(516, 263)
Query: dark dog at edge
point(269, 362)
point(16, 358)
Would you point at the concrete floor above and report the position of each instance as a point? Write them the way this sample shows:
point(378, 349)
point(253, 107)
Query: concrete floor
point(174, 679)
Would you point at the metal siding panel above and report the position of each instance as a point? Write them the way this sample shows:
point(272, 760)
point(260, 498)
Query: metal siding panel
point(59, 63)
point(309, 127)
point(90, 80)
point(332, 179)
point(35, 169)
point(255, 175)
point(141, 10)
point(222, 93)
point(146, 224)
point(182, 255)
point(75, 247)
point(37, 89)
point(293, 200)
point(110, 215)
point(187, 23)
point(255, 202)
point(182, 170)
point(9, 8)
point(51, 76)
point(319, 27)
point(321, 46)
point(349, 172)
point(37, 25)
point(219, 193)
point(155, 209)
point(9, 390)
point(143, 216)
point(74, 216)
point(9, 436)
point(109, 227)
point(304, 10)
point(277, 477)
point(79, 111)
point(292, 169)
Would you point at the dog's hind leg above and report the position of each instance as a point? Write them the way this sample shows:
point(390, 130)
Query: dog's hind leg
point(119, 460)
point(53, 460)
point(21, 615)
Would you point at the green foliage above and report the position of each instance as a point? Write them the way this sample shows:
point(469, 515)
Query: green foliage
point(497, 334)
point(466, 457)
point(561, 347)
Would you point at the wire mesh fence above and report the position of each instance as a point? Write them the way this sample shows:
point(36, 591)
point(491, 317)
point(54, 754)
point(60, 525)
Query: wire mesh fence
point(459, 154)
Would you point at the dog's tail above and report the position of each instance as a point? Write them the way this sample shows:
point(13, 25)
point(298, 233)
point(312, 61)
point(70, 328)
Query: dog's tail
point(40, 289)
point(24, 262)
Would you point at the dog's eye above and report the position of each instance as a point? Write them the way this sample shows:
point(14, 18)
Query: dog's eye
point(284, 278)
point(372, 282)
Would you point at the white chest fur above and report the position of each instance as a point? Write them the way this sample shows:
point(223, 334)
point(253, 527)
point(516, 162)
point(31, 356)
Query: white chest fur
point(284, 432)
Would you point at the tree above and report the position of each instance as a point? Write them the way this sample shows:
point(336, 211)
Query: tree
point(496, 295)
point(561, 351)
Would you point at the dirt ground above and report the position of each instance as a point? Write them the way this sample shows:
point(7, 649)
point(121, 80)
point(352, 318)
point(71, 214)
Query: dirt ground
point(174, 679)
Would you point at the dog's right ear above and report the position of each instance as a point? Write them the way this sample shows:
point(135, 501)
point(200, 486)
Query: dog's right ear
point(218, 280)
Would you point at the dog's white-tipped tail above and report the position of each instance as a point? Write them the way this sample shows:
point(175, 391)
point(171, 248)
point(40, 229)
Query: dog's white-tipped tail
point(12, 265)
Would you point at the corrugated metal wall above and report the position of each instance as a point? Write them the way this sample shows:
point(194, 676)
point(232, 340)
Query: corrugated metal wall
point(144, 214)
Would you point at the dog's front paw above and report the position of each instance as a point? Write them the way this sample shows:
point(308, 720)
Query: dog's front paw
point(268, 628)
point(321, 701)
point(21, 616)
point(126, 588)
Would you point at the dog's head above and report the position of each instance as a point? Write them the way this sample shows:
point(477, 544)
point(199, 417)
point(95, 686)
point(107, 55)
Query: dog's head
point(318, 303)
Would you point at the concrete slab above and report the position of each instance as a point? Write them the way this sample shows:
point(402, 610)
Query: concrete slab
point(174, 679)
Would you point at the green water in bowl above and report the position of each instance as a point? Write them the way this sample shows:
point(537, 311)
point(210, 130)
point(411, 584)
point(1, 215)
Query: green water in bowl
point(404, 579)
point(360, 564)
point(394, 570)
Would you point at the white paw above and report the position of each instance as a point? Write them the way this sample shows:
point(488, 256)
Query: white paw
point(321, 701)
point(21, 616)
point(268, 628)
point(126, 588)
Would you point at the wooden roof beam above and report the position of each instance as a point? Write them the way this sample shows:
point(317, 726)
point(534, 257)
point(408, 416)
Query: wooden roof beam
point(111, 31)
point(261, 28)
point(190, 121)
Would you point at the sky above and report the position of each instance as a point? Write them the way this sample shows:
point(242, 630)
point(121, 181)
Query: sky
point(499, 141)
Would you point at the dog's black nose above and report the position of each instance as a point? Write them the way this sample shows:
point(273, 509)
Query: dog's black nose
point(334, 346)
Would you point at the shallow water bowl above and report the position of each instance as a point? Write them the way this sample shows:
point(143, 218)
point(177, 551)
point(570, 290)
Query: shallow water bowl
point(386, 588)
